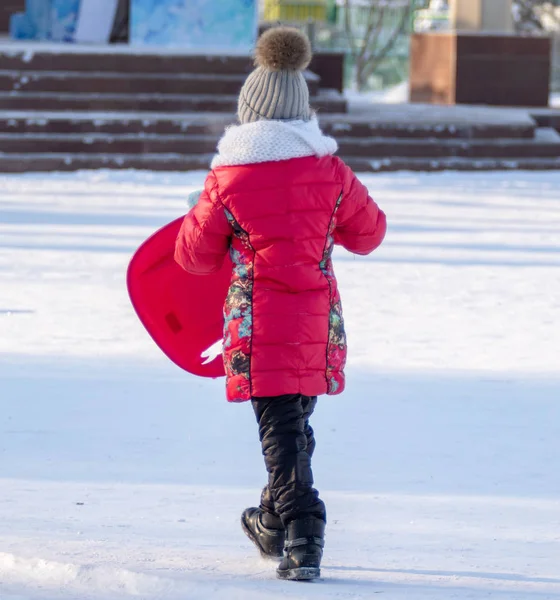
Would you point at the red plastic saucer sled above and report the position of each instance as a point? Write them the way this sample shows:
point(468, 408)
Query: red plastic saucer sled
point(182, 312)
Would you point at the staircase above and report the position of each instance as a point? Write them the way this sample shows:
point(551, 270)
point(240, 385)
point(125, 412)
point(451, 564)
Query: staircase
point(78, 81)
point(84, 109)
point(437, 138)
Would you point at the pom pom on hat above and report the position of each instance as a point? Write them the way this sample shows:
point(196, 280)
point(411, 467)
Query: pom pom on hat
point(283, 49)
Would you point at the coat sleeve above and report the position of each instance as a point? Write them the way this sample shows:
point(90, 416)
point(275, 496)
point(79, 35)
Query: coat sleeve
point(360, 224)
point(205, 234)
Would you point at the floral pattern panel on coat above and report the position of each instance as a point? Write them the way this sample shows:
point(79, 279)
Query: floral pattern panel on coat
point(337, 346)
point(238, 316)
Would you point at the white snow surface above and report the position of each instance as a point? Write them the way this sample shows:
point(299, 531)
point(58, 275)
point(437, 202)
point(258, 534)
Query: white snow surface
point(123, 477)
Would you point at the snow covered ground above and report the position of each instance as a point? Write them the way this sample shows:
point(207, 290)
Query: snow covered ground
point(121, 476)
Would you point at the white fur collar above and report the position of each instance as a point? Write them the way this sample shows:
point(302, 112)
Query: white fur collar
point(264, 141)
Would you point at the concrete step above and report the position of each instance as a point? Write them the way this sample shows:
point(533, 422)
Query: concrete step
point(48, 162)
point(325, 102)
point(125, 59)
point(107, 144)
point(128, 83)
point(358, 127)
point(37, 162)
point(337, 125)
point(547, 117)
point(546, 144)
point(447, 121)
point(115, 123)
point(363, 165)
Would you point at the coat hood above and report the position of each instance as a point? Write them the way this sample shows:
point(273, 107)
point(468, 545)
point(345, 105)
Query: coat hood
point(265, 141)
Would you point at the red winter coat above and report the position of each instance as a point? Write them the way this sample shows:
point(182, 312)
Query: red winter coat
point(284, 332)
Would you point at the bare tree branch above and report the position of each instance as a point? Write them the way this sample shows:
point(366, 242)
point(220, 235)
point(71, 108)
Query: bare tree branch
point(370, 40)
point(365, 48)
point(372, 43)
point(534, 16)
point(379, 56)
point(348, 28)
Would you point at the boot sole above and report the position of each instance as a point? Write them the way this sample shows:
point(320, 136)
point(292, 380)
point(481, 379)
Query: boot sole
point(265, 555)
point(301, 574)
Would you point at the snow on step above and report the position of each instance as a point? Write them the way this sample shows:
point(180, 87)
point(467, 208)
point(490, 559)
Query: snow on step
point(37, 75)
point(14, 48)
point(110, 96)
point(112, 115)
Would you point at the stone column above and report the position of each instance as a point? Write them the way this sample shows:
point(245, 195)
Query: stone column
point(492, 16)
point(481, 61)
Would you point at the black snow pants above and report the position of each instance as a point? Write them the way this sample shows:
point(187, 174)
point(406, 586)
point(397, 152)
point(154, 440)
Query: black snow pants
point(288, 443)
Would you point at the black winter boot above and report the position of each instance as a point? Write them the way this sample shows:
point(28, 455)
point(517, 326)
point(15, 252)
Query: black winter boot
point(268, 540)
point(303, 550)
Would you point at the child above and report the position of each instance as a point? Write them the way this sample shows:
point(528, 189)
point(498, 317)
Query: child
point(277, 200)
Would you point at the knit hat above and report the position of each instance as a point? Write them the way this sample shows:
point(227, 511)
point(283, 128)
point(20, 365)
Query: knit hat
point(276, 89)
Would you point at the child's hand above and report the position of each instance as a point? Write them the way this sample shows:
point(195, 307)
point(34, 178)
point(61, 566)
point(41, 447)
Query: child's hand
point(193, 198)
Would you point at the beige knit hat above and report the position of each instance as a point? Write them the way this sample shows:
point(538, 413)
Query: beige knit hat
point(277, 89)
